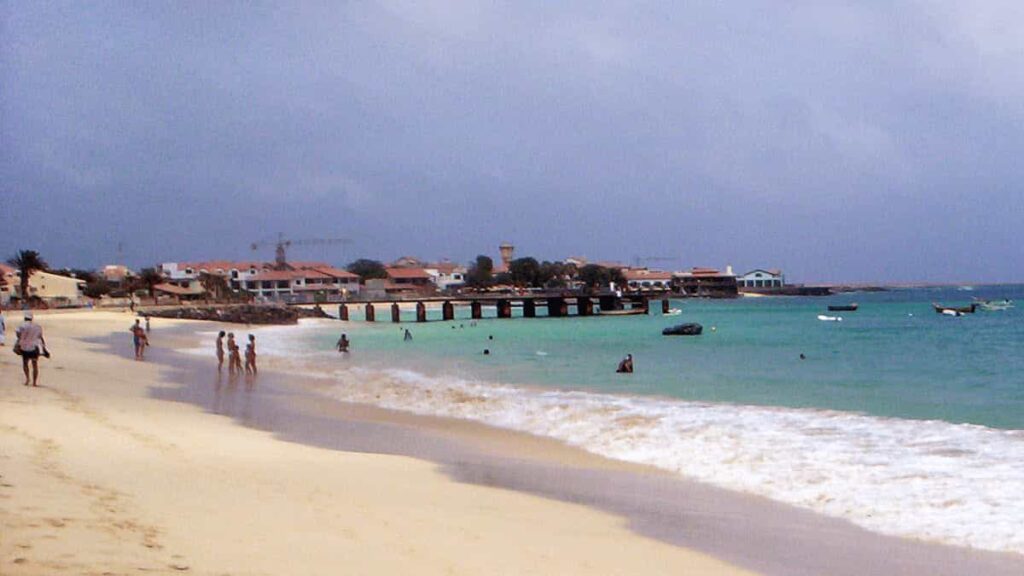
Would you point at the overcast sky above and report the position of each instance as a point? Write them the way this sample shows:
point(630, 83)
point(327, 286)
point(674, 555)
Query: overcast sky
point(855, 141)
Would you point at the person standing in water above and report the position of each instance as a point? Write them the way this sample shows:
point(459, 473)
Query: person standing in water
point(343, 343)
point(408, 335)
point(234, 358)
point(220, 351)
point(626, 366)
point(250, 356)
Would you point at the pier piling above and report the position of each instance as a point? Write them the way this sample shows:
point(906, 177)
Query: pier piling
point(421, 312)
point(448, 311)
point(529, 309)
point(476, 310)
point(369, 313)
point(584, 306)
point(342, 312)
point(504, 309)
point(396, 313)
point(664, 306)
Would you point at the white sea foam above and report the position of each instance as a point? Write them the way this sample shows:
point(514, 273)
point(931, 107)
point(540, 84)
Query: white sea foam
point(933, 480)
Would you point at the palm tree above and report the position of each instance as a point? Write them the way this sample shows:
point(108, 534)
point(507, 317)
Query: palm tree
point(150, 277)
point(27, 262)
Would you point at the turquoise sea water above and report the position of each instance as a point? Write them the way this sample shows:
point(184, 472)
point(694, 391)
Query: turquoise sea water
point(901, 420)
point(894, 356)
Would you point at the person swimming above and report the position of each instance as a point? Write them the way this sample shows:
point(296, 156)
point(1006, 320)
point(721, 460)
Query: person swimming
point(626, 365)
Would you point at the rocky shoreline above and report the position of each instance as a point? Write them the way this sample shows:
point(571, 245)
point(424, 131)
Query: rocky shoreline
point(239, 314)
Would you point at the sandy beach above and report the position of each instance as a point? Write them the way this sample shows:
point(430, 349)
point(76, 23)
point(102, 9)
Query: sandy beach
point(99, 477)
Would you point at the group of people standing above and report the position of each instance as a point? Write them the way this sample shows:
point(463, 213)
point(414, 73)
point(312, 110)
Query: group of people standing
point(234, 354)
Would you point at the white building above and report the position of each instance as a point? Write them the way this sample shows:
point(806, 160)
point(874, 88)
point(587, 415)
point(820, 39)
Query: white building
point(236, 273)
point(761, 278)
point(446, 275)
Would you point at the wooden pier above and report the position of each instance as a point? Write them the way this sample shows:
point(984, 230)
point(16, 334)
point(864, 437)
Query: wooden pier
point(556, 305)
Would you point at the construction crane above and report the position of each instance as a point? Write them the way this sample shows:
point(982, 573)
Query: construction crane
point(280, 260)
point(638, 260)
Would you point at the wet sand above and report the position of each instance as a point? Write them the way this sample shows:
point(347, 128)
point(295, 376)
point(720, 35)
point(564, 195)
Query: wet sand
point(749, 531)
point(99, 476)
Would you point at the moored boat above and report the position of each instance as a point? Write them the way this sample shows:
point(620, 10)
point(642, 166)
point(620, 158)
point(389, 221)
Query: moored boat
point(842, 307)
point(994, 305)
point(961, 309)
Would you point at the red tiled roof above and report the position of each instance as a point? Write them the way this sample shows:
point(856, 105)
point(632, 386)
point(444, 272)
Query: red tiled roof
point(337, 273)
point(704, 271)
point(225, 265)
point(5, 269)
point(281, 275)
point(408, 273)
point(654, 275)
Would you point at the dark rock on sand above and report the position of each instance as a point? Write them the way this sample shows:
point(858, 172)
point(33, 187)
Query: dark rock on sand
point(244, 314)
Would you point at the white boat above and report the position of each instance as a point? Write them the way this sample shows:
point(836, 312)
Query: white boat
point(951, 312)
point(674, 312)
point(995, 305)
point(825, 318)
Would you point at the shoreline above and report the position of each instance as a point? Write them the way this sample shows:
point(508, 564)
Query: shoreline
point(98, 476)
point(683, 517)
point(657, 503)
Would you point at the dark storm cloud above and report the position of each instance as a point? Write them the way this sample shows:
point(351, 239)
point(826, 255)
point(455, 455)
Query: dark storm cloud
point(838, 141)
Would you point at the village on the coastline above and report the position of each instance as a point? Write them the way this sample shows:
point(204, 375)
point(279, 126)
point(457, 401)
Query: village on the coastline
point(286, 281)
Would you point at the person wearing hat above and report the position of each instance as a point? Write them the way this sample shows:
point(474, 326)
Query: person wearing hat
point(31, 344)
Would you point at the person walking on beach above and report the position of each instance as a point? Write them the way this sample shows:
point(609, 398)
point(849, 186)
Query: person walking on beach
point(147, 323)
point(30, 344)
point(234, 358)
point(250, 356)
point(626, 366)
point(408, 335)
point(140, 340)
point(3, 327)
point(343, 343)
point(220, 351)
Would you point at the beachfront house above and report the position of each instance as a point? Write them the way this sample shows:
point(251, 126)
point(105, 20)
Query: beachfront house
point(117, 276)
point(52, 289)
point(411, 279)
point(236, 274)
point(706, 282)
point(296, 282)
point(762, 279)
point(312, 282)
point(648, 280)
point(447, 275)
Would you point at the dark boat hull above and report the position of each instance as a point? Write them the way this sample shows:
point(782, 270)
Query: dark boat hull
point(842, 308)
point(691, 329)
point(962, 309)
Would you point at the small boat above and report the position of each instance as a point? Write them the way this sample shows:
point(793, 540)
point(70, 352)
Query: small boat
point(673, 312)
point(842, 307)
point(627, 312)
point(951, 312)
point(825, 318)
point(962, 309)
point(994, 305)
point(691, 329)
